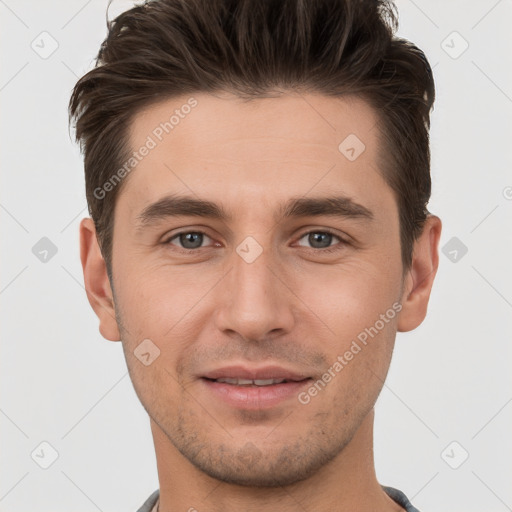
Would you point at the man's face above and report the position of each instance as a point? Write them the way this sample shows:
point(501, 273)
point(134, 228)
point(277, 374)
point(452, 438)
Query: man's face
point(210, 300)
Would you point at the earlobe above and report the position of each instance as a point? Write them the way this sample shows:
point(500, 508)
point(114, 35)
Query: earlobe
point(97, 285)
point(420, 277)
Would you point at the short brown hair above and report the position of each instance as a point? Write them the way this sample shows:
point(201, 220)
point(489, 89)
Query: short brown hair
point(165, 48)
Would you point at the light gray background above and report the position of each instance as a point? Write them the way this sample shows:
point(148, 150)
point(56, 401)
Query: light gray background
point(63, 384)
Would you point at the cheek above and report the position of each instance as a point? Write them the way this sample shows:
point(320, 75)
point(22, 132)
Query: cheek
point(141, 307)
point(350, 297)
point(358, 305)
point(163, 303)
point(360, 311)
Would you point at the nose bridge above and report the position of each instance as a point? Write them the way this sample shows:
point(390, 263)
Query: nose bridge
point(255, 301)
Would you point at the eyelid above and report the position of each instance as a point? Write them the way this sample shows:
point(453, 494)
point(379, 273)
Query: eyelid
point(321, 230)
point(342, 239)
point(167, 239)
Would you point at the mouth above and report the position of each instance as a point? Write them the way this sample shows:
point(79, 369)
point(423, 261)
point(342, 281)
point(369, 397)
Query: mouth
point(263, 376)
point(256, 393)
point(255, 382)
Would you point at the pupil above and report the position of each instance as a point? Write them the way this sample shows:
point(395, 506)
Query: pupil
point(193, 238)
point(317, 237)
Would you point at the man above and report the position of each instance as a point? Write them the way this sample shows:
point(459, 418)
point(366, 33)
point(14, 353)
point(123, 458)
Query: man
point(257, 173)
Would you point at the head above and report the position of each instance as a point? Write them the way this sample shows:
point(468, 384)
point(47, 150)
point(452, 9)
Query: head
point(246, 124)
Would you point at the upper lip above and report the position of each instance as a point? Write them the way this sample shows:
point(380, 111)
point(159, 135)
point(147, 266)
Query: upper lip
point(264, 372)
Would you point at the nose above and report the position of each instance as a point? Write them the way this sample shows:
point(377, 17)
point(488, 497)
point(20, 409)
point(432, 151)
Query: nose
point(256, 301)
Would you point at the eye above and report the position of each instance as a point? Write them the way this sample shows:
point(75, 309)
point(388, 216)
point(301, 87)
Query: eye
point(322, 240)
point(189, 240)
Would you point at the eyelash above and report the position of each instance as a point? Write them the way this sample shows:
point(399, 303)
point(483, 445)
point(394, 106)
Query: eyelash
point(327, 250)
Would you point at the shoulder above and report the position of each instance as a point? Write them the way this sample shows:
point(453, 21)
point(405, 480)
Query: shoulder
point(150, 503)
point(400, 498)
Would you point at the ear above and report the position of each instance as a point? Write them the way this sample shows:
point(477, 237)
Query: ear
point(420, 277)
point(97, 285)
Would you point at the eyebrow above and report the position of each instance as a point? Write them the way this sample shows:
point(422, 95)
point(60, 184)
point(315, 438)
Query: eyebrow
point(175, 205)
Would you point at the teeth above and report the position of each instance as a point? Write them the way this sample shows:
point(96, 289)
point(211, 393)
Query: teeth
point(249, 382)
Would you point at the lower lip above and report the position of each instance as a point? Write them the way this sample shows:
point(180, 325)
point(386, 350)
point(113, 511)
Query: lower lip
point(253, 397)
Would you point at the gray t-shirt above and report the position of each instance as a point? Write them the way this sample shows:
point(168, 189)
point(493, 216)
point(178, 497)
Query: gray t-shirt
point(150, 505)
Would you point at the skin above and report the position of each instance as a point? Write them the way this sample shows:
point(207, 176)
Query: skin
point(293, 306)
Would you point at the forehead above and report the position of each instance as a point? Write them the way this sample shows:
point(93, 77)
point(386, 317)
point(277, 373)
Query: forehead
point(203, 120)
point(250, 151)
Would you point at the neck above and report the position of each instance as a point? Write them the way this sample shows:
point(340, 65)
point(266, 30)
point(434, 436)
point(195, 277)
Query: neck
point(346, 483)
